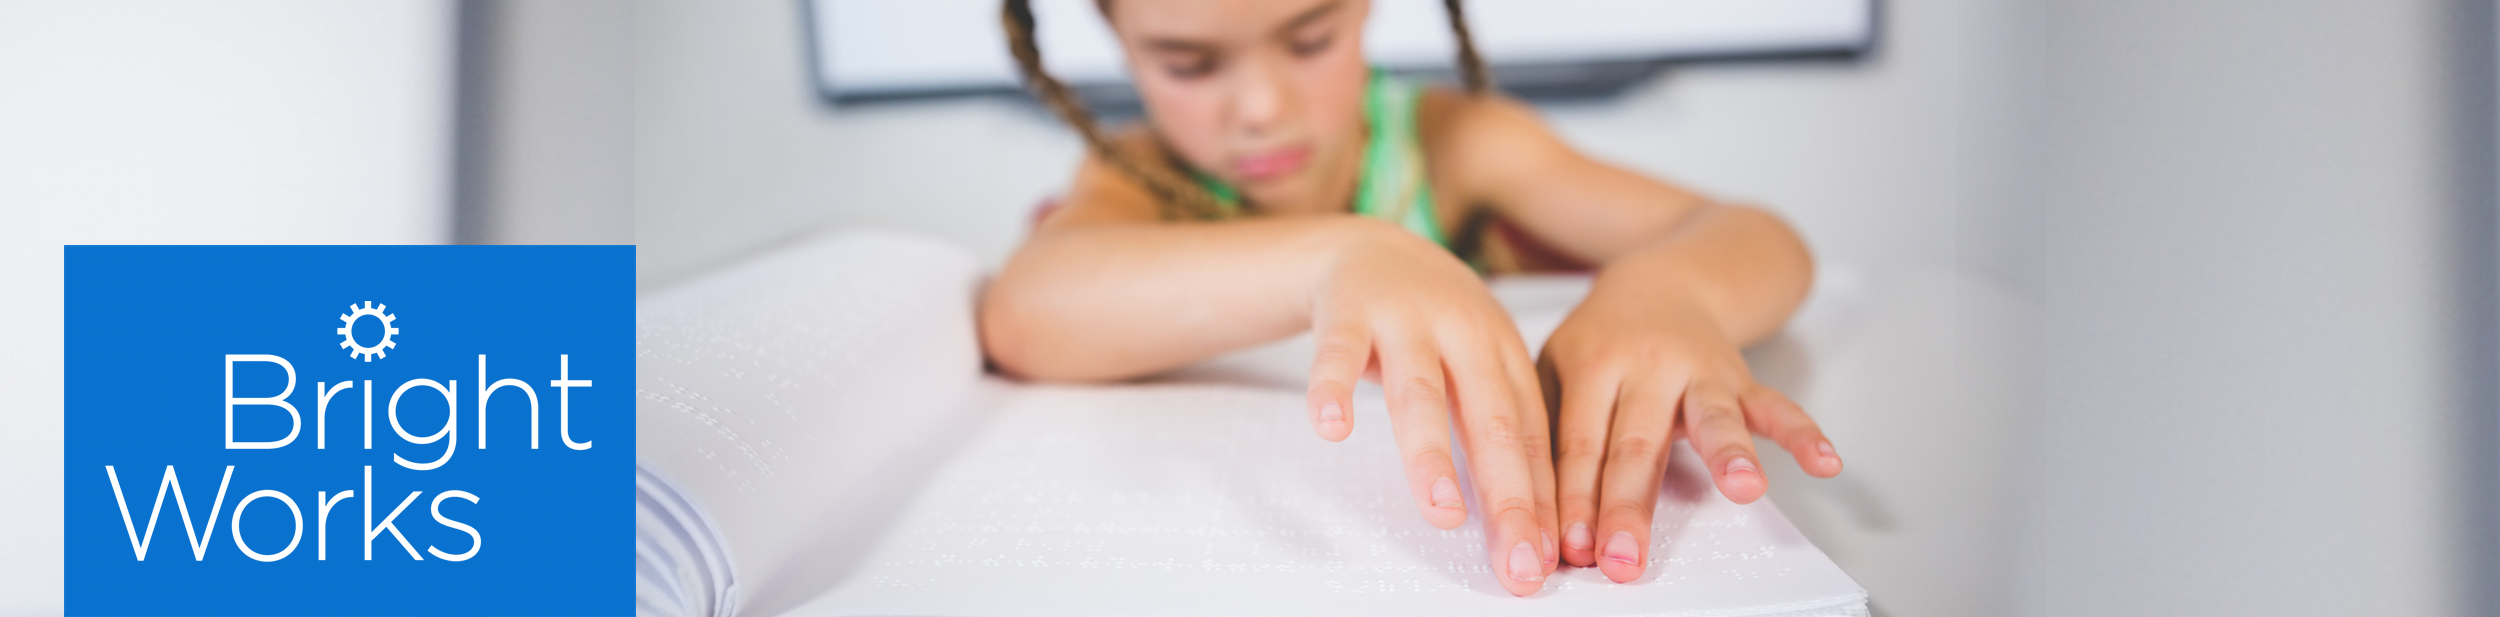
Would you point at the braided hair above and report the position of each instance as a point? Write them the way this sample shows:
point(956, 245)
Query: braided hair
point(1175, 195)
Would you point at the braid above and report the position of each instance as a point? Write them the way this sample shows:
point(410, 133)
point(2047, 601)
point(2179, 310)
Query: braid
point(1470, 66)
point(1177, 197)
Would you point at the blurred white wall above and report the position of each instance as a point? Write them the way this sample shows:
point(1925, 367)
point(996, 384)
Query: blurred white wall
point(733, 153)
point(1921, 152)
point(547, 131)
point(169, 121)
point(2263, 259)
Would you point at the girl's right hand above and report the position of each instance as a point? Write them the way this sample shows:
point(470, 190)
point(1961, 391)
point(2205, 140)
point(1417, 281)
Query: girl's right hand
point(1404, 311)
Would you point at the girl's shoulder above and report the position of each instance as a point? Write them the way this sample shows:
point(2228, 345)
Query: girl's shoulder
point(1476, 143)
point(1101, 190)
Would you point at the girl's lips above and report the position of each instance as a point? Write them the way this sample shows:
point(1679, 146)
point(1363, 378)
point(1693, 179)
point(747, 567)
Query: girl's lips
point(1272, 163)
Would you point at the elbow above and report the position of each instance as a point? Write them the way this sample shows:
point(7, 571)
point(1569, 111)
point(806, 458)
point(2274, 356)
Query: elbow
point(1800, 261)
point(1789, 257)
point(1007, 339)
point(1017, 340)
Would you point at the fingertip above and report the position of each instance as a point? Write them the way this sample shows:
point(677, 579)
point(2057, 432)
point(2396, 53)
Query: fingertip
point(1329, 418)
point(1818, 461)
point(1521, 572)
point(1825, 468)
point(1579, 546)
point(1525, 565)
point(1621, 560)
point(1741, 480)
point(1445, 494)
point(1333, 431)
point(1448, 509)
point(1517, 542)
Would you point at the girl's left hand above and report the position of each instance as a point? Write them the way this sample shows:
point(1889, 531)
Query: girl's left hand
point(1628, 372)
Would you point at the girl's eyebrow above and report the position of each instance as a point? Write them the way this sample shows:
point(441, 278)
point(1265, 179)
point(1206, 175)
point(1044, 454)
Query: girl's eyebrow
point(1179, 46)
point(1312, 14)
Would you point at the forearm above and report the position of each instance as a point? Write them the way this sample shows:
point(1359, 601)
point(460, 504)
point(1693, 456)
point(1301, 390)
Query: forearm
point(1114, 300)
point(1742, 266)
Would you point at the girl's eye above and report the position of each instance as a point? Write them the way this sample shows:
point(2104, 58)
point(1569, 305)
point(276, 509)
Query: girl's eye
point(1307, 46)
point(1190, 69)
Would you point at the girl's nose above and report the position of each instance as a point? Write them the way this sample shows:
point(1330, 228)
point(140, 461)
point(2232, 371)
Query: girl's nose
point(1264, 98)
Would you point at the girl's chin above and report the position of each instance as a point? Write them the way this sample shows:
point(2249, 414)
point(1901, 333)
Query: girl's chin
point(1290, 189)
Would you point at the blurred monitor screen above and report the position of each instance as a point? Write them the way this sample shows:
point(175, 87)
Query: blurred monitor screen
point(889, 48)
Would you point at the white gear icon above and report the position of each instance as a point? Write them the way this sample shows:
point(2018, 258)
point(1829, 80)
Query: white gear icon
point(348, 330)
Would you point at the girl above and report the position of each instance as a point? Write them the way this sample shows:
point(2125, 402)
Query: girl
point(1281, 184)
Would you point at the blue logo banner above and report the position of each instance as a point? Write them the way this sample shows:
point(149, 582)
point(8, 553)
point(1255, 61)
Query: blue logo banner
point(421, 430)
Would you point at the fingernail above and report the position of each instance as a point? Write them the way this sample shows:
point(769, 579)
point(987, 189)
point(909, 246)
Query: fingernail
point(1445, 494)
point(1330, 411)
point(1577, 537)
point(1826, 449)
point(1623, 549)
point(1741, 464)
point(1549, 547)
point(1524, 565)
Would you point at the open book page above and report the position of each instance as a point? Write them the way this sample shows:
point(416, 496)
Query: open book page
point(787, 408)
point(1217, 499)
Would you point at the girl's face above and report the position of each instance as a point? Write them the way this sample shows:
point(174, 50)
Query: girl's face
point(1265, 94)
